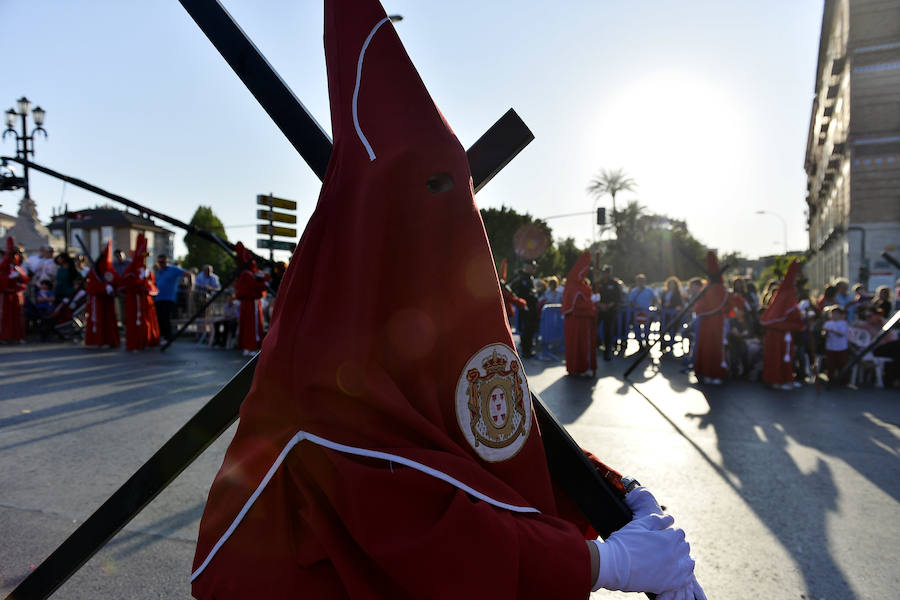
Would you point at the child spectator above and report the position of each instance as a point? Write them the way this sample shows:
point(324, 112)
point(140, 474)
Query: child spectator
point(44, 298)
point(226, 327)
point(836, 343)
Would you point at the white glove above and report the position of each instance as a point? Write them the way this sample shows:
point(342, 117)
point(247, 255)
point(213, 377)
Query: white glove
point(109, 289)
point(642, 503)
point(692, 591)
point(647, 554)
point(14, 275)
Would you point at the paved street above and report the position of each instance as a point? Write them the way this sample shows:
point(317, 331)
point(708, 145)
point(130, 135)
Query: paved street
point(783, 494)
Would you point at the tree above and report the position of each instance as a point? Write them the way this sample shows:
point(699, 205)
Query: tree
point(501, 225)
point(655, 245)
point(776, 270)
point(203, 252)
point(611, 181)
point(569, 254)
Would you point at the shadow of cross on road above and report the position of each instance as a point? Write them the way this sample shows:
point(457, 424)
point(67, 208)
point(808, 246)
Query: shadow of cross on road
point(780, 451)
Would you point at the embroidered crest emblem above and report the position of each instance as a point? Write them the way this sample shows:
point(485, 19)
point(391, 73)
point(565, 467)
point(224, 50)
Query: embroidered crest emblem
point(493, 404)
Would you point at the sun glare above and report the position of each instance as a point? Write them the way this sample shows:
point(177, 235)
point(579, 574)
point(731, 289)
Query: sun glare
point(683, 138)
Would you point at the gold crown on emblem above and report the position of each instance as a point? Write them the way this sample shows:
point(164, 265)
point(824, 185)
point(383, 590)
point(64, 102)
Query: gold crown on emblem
point(494, 363)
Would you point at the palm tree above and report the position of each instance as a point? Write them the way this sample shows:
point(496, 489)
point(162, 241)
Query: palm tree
point(611, 181)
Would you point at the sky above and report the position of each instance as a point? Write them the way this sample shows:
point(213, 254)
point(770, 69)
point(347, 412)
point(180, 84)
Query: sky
point(704, 103)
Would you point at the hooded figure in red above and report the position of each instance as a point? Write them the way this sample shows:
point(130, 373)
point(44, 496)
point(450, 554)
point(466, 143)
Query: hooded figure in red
point(580, 320)
point(138, 283)
point(710, 362)
point(249, 288)
point(387, 447)
point(13, 282)
point(387, 436)
point(780, 318)
point(101, 327)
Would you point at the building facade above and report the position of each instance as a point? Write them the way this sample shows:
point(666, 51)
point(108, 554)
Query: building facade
point(6, 223)
point(853, 149)
point(96, 226)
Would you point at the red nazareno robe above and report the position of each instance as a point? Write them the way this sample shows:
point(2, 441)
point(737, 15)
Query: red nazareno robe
point(387, 447)
point(249, 288)
point(13, 282)
point(580, 325)
point(101, 327)
point(710, 360)
point(138, 283)
point(781, 318)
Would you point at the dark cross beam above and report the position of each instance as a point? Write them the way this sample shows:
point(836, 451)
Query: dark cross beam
point(486, 157)
point(202, 233)
point(500, 144)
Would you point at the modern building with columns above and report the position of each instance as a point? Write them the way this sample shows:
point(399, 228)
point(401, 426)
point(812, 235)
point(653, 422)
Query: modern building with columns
point(853, 148)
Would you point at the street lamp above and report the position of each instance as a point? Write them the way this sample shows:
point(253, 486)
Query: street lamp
point(783, 224)
point(24, 141)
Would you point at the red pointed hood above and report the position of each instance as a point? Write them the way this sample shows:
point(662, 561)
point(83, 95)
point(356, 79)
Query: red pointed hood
point(244, 257)
point(577, 292)
point(713, 271)
point(390, 309)
point(782, 312)
point(103, 268)
point(715, 296)
point(139, 256)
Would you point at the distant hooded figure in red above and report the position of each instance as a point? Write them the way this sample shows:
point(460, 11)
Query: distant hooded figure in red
point(710, 360)
point(781, 318)
point(387, 447)
point(101, 328)
point(249, 288)
point(13, 283)
point(138, 283)
point(580, 325)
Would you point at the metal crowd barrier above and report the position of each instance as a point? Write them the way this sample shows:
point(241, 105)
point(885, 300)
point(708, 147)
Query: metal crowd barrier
point(552, 338)
point(550, 332)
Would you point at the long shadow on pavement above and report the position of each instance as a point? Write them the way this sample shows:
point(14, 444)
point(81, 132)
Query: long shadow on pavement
point(795, 505)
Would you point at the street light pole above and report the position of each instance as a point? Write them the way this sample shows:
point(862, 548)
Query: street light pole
point(783, 225)
point(24, 150)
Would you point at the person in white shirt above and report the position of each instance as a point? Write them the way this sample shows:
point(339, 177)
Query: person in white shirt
point(836, 343)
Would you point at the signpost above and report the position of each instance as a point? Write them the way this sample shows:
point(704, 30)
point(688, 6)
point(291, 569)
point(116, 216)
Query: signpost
point(269, 228)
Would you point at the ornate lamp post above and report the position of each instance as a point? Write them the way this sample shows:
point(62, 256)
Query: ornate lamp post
point(24, 140)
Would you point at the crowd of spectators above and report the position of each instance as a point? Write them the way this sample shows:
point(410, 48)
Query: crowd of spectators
point(53, 303)
point(838, 322)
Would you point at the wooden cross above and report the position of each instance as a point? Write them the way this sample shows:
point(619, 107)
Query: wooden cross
point(490, 153)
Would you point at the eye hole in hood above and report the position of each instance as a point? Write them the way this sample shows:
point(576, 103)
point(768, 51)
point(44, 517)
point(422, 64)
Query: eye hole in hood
point(440, 182)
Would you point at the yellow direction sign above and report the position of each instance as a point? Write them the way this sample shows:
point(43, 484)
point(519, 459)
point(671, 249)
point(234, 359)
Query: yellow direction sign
point(272, 230)
point(276, 202)
point(271, 215)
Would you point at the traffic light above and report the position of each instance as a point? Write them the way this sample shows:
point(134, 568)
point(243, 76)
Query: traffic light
point(601, 216)
point(864, 271)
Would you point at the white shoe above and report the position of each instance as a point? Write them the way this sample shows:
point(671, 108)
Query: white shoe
point(797, 384)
